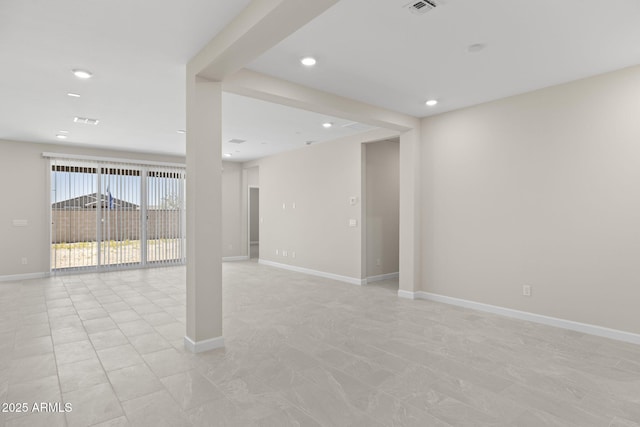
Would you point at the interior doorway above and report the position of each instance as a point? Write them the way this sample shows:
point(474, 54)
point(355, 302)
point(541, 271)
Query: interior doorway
point(381, 212)
point(254, 222)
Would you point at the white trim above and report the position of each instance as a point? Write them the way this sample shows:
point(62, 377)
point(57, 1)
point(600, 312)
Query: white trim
point(204, 345)
point(111, 159)
point(346, 279)
point(235, 258)
point(380, 277)
point(19, 277)
point(406, 294)
point(586, 328)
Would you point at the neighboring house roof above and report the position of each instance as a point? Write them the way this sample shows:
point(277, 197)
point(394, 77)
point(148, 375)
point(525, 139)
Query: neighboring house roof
point(90, 201)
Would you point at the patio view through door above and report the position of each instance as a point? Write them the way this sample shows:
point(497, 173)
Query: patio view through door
point(116, 215)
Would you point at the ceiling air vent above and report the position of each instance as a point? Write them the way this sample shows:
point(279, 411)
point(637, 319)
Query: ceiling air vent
point(423, 6)
point(237, 141)
point(86, 121)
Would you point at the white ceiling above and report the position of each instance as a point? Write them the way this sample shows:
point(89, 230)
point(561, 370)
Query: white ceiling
point(269, 128)
point(380, 53)
point(137, 51)
point(372, 51)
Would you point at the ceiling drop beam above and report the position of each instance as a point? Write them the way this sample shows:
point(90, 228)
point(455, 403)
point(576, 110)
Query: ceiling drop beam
point(260, 86)
point(259, 27)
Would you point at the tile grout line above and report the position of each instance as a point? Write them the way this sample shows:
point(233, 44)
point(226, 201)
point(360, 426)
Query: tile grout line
point(100, 360)
point(55, 357)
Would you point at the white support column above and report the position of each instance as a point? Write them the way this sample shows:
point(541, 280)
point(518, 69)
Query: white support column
point(204, 215)
point(410, 229)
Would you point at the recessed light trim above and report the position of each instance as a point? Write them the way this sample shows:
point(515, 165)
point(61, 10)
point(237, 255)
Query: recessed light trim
point(82, 74)
point(61, 136)
point(73, 95)
point(308, 61)
point(227, 154)
point(327, 125)
point(431, 102)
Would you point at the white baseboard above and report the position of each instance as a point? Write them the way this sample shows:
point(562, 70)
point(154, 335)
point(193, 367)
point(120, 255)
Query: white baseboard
point(204, 345)
point(346, 279)
point(380, 277)
point(19, 277)
point(235, 258)
point(586, 328)
point(406, 294)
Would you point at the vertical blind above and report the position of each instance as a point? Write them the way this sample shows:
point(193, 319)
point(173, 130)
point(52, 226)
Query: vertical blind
point(108, 214)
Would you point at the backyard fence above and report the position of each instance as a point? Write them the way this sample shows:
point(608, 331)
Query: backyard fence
point(80, 225)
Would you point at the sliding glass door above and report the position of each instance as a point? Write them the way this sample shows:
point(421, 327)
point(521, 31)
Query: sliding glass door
point(119, 216)
point(109, 215)
point(74, 216)
point(166, 226)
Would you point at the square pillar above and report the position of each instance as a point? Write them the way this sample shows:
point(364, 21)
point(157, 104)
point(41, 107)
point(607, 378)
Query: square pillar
point(204, 215)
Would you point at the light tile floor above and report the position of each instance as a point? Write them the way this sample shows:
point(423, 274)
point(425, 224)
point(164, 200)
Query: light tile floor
point(300, 350)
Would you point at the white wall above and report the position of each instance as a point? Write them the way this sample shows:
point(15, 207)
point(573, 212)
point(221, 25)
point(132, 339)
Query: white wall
point(232, 244)
point(382, 171)
point(319, 179)
point(540, 189)
point(25, 195)
point(253, 175)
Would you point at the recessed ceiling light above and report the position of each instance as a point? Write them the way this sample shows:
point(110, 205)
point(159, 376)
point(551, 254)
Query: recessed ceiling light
point(82, 74)
point(73, 95)
point(61, 136)
point(181, 131)
point(63, 131)
point(227, 154)
point(327, 125)
point(431, 102)
point(476, 47)
point(308, 61)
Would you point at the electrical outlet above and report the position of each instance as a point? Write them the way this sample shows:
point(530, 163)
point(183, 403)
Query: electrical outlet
point(293, 205)
point(293, 254)
point(284, 253)
point(277, 252)
point(526, 290)
point(24, 261)
point(284, 206)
